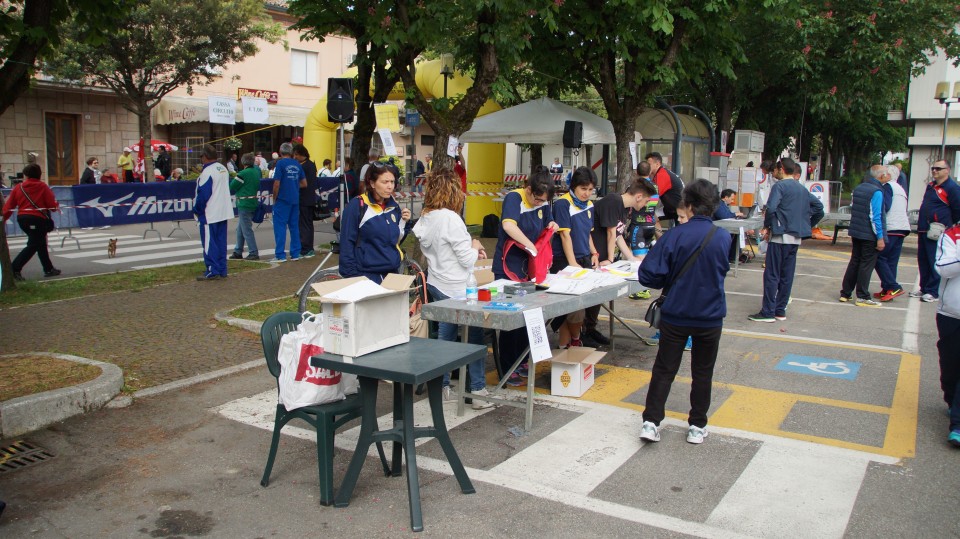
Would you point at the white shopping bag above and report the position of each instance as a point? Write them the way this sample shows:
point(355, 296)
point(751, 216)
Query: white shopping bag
point(301, 384)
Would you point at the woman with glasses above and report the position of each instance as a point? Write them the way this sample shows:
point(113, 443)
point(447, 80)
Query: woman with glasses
point(372, 227)
point(526, 212)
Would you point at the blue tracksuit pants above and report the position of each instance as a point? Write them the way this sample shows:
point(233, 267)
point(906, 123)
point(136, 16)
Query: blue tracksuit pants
point(213, 237)
point(286, 216)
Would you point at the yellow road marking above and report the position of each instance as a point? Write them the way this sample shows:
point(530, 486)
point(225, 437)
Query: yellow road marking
point(822, 256)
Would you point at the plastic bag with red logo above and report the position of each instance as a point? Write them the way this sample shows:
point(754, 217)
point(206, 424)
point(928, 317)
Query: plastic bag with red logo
point(301, 384)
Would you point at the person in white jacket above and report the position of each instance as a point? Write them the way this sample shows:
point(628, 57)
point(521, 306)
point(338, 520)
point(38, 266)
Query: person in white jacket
point(451, 255)
point(948, 325)
point(898, 228)
point(213, 208)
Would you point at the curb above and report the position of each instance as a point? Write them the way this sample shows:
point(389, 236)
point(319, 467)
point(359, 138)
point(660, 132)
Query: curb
point(32, 412)
point(250, 325)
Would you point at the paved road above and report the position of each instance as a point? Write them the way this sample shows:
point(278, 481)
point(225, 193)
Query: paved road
point(821, 426)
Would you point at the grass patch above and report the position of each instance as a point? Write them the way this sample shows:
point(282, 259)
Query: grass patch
point(27, 375)
point(31, 292)
point(260, 311)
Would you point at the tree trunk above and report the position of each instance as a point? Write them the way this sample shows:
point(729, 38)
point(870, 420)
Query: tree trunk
point(146, 132)
point(536, 155)
point(16, 71)
point(6, 265)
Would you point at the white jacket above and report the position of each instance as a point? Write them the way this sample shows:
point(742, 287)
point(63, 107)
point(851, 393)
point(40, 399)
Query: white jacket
point(948, 266)
point(897, 214)
point(447, 244)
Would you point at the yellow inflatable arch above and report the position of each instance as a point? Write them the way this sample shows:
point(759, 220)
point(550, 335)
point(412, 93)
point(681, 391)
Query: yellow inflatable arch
point(485, 162)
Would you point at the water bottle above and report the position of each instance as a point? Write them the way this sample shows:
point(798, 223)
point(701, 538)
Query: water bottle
point(472, 290)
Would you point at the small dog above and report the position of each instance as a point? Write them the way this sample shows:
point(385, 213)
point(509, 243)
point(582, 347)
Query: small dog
point(112, 248)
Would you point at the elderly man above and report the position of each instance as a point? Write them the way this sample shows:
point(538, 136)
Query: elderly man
point(867, 232)
point(940, 204)
point(213, 208)
point(288, 179)
point(125, 164)
point(898, 227)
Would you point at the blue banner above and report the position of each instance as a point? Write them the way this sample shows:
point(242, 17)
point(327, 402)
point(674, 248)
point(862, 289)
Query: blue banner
point(128, 203)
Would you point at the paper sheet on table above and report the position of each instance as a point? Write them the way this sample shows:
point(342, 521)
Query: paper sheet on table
point(499, 283)
point(559, 284)
point(537, 332)
point(357, 291)
point(625, 269)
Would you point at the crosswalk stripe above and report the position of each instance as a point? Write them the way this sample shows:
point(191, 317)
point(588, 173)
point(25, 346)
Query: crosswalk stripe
point(152, 256)
point(165, 264)
point(122, 251)
point(55, 240)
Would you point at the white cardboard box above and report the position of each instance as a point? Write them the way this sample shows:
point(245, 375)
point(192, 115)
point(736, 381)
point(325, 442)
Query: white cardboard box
point(571, 370)
point(375, 322)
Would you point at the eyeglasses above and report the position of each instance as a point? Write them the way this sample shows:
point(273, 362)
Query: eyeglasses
point(935, 169)
point(540, 200)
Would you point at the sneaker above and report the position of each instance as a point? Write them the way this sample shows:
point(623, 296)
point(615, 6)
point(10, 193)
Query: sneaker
point(760, 317)
point(844, 299)
point(295, 258)
point(954, 438)
point(927, 298)
point(309, 254)
point(523, 370)
point(867, 302)
point(695, 435)
point(576, 342)
point(780, 317)
point(689, 345)
point(649, 432)
point(448, 396)
point(479, 404)
point(279, 260)
point(516, 380)
point(643, 294)
point(653, 340)
point(596, 337)
point(916, 294)
point(52, 273)
point(209, 277)
point(17, 276)
point(253, 257)
point(236, 256)
point(890, 294)
point(880, 294)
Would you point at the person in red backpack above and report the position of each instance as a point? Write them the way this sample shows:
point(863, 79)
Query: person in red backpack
point(526, 212)
point(33, 201)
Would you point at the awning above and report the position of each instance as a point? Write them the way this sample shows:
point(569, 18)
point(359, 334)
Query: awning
point(181, 110)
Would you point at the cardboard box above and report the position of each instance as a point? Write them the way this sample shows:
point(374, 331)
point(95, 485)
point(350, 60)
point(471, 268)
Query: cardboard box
point(483, 271)
point(571, 370)
point(375, 322)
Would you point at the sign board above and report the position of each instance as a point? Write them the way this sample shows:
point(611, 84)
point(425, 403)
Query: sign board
point(413, 118)
point(222, 110)
point(389, 147)
point(271, 96)
point(821, 190)
point(255, 110)
point(537, 333)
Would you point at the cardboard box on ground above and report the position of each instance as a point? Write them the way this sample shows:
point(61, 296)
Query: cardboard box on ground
point(354, 327)
point(572, 370)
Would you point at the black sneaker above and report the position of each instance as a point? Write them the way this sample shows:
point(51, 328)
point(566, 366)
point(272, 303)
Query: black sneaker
point(236, 256)
point(17, 276)
point(52, 273)
point(596, 336)
point(760, 317)
point(253, 257)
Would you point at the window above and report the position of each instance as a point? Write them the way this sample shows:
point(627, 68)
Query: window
point(303, 67)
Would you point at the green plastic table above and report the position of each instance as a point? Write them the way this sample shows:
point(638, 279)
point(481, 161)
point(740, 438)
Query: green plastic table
point(406, 365)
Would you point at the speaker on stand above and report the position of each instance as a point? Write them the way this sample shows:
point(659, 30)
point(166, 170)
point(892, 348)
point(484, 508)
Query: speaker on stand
point(340, 110)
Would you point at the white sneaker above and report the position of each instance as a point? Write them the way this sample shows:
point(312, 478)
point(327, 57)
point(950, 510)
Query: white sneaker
point(448, 396)
point(650, 432)
point(479, 404)
point(916, 294)
point(928, 298)
point(695, 435)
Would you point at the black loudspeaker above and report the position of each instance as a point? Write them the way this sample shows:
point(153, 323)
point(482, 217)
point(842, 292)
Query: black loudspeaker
point(340, 100)
point(572, 134)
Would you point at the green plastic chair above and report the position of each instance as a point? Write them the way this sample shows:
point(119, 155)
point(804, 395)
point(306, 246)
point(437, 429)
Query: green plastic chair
point(325, 418)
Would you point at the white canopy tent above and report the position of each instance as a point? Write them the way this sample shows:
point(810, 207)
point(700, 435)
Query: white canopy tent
point(539, 121)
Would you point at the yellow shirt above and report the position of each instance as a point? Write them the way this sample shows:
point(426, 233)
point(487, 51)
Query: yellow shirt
point(125, 162)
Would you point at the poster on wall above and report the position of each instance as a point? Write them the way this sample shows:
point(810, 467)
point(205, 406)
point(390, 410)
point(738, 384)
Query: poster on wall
point(222, 110)
point(389, 147)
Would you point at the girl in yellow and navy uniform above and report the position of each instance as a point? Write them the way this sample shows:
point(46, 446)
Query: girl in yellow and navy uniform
point(573, 244)
point(526, 212)
point(372, 227)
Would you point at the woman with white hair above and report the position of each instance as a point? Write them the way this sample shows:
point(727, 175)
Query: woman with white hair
point(898, 228)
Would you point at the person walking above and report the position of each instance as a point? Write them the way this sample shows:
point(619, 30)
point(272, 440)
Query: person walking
point(34, 201)
point(308, 199)
point(898, 228)
point(940, 205)
point(245, 186)
point(213, 208)
point(288, 179)
point(689, 263)
point(791, 214)
point(948, 325)
point(125, 164)
point(867, 226)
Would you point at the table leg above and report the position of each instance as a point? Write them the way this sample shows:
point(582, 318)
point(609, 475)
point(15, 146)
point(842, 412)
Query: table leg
point(368, 424)
point(531, 383)
point(610, 335)
point(736, 261)
point(440, 433)
point(462, 392)
point(395, 463)
point(410, 449)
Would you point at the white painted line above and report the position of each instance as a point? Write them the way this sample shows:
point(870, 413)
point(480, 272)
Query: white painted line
point(82, 239)
point(121, 251)
point(581, 454)
point(198, 250)
point(166, 264)
point(787, 492)
point(817, 301)
point(911, 326)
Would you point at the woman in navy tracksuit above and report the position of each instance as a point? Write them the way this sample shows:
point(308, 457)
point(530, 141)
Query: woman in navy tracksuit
point(372, 227)
point(695, 307)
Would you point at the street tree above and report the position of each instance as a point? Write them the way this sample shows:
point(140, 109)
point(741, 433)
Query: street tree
point(161, 45)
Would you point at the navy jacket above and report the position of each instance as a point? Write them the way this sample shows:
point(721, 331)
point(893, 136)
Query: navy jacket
point(370, 237)
point(697, 299)
point(941, 204)
point(868, 215)
point(791, 209)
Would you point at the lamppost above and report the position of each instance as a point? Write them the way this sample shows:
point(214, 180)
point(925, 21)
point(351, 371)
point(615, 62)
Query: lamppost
point(944, 96)
point(446, 69)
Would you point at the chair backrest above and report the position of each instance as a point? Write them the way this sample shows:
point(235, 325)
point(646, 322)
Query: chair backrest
point(274, 327)
point(845, 209)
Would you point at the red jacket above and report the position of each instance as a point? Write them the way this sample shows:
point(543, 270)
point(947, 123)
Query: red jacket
point(41, 194)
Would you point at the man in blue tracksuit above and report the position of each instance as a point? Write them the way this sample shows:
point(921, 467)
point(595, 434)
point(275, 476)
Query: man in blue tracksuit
point(867, 225)
point(791, 213)
point(940, 204)
point(213, 208)
point(288, 178)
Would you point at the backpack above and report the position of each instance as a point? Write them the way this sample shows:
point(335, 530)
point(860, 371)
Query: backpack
point(491, 226)
point(539, 266)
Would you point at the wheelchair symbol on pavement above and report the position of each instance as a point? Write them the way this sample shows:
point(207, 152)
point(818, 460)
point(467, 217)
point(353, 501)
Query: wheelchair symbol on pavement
point(819, 366)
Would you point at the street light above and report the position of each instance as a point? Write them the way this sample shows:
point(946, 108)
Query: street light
point(446, 69)
point(945, 98)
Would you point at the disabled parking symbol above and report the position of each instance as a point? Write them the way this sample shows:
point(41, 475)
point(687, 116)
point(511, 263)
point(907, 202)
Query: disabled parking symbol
point(819, 366)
